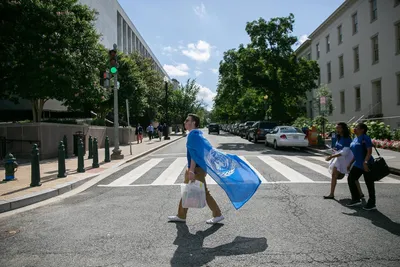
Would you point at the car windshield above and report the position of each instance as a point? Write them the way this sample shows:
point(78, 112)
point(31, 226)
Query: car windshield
point(290, 130)
point(267, 125)
point(250, 123)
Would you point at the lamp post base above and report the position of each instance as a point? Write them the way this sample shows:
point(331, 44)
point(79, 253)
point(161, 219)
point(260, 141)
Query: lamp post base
point(167, 138)
point(117, 155)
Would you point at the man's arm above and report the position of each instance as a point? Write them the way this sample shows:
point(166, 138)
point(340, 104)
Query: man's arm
point(191, 169)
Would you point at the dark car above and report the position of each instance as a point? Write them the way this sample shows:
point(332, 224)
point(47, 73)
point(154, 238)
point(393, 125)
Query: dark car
point(246, 127)
point(213, 128)
point(259, 129)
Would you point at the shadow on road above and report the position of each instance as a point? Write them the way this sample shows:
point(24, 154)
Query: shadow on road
point(376, 217)
point(190, 251)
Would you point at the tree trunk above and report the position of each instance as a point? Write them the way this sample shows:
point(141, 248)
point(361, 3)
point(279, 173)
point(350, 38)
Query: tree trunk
point(37, 109)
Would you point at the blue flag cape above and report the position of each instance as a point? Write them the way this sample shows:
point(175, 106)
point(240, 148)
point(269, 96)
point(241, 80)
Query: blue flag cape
point(231, 173)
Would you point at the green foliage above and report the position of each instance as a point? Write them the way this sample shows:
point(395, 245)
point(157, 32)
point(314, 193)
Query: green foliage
point(266, 66)
point(301, 122)
point(377, 130)
point(396, 134)
point(50, 50)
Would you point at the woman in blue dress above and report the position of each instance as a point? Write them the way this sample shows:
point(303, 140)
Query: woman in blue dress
point(362, 151)
point(341, 158)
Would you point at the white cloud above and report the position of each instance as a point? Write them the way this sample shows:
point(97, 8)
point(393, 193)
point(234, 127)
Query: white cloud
point(198, 73)
point(302, 39)
point(200, 10)
point(169, 49)
point(177, 71)
point(199, 52)
point(215, 71)
point(207, 96)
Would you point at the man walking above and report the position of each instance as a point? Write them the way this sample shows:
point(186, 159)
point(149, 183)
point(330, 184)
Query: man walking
point(195, 172)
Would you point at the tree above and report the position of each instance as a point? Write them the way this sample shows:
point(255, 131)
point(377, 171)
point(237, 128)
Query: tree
point(266, 66)
point(50, 50)
point(184, 101)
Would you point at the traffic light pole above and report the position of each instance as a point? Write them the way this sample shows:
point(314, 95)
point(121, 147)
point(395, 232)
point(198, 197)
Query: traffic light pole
point(116, 151)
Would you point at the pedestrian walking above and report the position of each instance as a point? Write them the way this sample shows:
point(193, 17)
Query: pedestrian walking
point(160, 130)
point(362, 151)
point(231, 173)
point(150, 130)
point(139, 133)
point(341, 158)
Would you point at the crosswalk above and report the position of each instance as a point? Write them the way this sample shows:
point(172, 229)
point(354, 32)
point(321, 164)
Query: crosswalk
point(270, 168)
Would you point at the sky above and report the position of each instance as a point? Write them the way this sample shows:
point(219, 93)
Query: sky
point(189, 37)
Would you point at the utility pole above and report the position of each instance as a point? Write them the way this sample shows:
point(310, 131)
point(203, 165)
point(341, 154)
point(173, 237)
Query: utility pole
point(129, 126)
point(114, 70)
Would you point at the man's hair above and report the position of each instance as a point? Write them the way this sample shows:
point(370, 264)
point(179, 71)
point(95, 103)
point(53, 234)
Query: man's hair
point(196, 119)
point(363, 126)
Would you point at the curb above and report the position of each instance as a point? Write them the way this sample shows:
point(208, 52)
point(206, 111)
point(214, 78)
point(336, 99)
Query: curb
point(392, 170)
point(60, 189)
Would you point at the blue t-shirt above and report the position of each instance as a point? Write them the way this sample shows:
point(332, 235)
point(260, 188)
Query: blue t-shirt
point(359, 148)
point(343, 142)
point(189, 158)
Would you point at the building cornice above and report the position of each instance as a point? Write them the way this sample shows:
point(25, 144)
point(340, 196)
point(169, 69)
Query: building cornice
point(338, 12)
point(306, 44)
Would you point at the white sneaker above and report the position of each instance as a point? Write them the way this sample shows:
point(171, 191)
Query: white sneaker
point(215, 220)
point(175, 219)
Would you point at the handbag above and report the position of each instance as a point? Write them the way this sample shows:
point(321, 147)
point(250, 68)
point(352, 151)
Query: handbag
point(379, 168)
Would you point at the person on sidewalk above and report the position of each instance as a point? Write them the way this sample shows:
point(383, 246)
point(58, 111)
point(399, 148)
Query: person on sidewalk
point(194, 172)
point(139, 133)
point(150, 131)
point(341, 158)
point(362, 150)
point(160, 131)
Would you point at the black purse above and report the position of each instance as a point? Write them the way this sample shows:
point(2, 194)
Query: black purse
point(378, 169)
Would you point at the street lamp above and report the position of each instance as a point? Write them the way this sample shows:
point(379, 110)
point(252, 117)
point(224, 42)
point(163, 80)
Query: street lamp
point(166, 137)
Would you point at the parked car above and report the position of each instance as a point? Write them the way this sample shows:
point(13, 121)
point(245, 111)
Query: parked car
point(286, 136)
point(259, 129)
point(213, 128)
point(244, 130)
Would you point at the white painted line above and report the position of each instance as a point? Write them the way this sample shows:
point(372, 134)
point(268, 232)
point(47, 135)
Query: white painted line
point(321, 159)
point(171, 174)
point(388, 180)
point(286, 171)
point(310, 165)
point(263, 180)
point(210, 180)
point(136, 173)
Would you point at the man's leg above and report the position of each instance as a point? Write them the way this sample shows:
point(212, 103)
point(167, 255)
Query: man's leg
point(212, 204)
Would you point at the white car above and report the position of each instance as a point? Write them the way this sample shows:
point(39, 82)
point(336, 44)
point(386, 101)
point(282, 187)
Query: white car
point(286, 136)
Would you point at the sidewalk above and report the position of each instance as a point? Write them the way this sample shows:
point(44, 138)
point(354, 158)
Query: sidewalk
point(18, 193)
point(391, 157)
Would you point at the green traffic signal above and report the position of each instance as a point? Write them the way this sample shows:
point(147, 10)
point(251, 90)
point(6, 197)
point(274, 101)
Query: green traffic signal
point(113, 70)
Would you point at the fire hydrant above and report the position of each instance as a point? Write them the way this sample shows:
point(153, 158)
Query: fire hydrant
point(11, 166)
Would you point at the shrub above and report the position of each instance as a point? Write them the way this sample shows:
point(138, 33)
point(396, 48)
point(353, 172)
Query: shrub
point(396, 134)
point(301, 122)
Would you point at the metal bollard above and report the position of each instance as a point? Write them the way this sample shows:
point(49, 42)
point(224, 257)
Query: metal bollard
point(81, 163)
point(107, 150)
point(90, 147)
point(35, 168)
point(95, 154)
point(65, 146)
point(61, 161)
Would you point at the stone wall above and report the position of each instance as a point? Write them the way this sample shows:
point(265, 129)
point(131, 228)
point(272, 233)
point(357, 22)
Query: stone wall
point(21, 137)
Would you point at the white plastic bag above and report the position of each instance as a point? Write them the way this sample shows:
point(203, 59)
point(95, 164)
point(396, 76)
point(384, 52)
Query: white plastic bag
point(193, 195)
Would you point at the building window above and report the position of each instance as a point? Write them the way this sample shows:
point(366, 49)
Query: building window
point(358, 98)
point(340, 35)
point(398, 89)
point(355, 23)
point(375, 49)
point(309, 56)
point(342, 102)
point(397, 28)
point(328, 44)
point(328, 67)
point(374, 10)
point(317, 48)
point(356, 54)
point(341, 66)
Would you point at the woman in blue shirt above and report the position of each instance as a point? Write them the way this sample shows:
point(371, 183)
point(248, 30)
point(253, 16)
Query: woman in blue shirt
point(362, 151)
point(341, 158)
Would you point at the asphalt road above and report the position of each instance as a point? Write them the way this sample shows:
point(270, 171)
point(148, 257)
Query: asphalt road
point(122, 220)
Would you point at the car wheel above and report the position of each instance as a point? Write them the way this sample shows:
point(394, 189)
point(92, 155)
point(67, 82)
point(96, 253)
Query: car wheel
point(266, 143)
point(248, 138)
point(217, 132)
point(276, 145)
point(255, 140)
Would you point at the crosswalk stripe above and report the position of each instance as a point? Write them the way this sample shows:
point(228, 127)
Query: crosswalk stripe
point(286, 171)
point(171, 174)
point(136, 173)
point(263, 180)
point(210, 180)
point(319, 158)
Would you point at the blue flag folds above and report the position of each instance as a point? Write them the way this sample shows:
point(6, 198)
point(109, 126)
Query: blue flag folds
point(234, 176)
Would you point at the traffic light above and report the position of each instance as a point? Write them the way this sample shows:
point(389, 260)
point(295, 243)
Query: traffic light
point(113, 61)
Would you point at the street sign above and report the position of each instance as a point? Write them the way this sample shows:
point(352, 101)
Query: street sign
point(322, 100)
